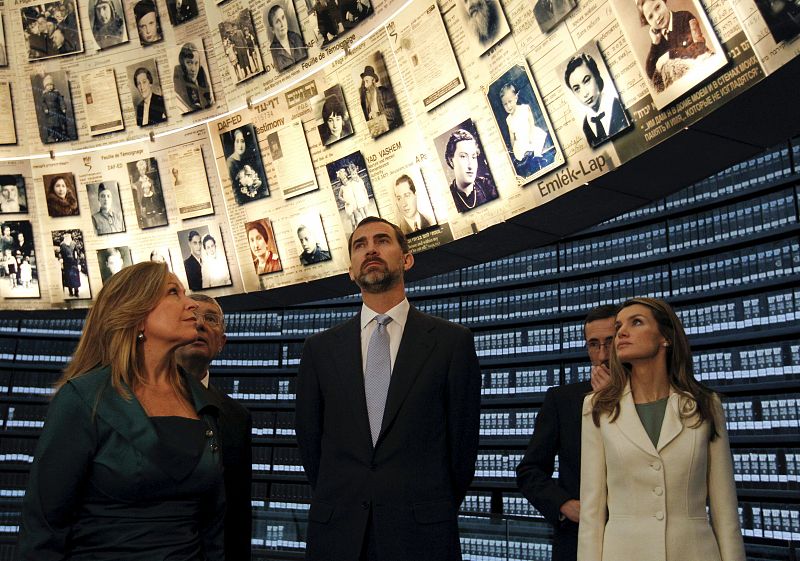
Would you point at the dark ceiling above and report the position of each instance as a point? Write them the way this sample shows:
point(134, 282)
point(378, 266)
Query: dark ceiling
point(763, 116)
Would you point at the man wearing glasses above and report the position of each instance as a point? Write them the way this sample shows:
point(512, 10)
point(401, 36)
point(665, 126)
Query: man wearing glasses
point(558, 433)
point(234, 424)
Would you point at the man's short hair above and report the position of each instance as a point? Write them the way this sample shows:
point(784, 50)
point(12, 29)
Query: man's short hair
point(333, 106)
point(398, 233)
point(584, 59)
point(301, 228)
point(205, 299)
point(408, 180)
point(459, 135)
point(601, 312)
point(145, 71)
point(271, 14)
point(192, 234)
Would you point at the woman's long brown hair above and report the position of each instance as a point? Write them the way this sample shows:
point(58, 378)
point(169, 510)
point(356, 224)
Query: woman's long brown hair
point(699, 402)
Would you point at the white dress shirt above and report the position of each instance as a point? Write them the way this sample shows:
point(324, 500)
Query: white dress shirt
point(399, 314)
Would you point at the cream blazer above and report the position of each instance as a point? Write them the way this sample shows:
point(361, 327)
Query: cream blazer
point(646, 503)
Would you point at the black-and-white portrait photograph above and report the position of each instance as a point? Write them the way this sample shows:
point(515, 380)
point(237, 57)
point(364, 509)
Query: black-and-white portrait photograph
point(13, 197)
point(160, 254)
point(204, 259)
point(530, 139)
point(275, 148)
point(353, 190)
point(483, 21)
point(112, 260)
point(148, 195)
point(3, 51)
point(148, 22)
point(782, 18)
point(181, 11)
point(52, 100)
point(51, 29)
point(414, 208)
point(336, 123)
point(673, 43)
point(377, 97)
point(240, 43)
point(70, 253)
point(146, 93)
point(331, 18)
point(107, 19)
point(592, 95)
point(61, 194)
point(263, 247)
point(286, 44)
point(549, 13)
point(20, 275)
point(106, 207)
point(190, 76)
point(245, 167)
point(312, 243)
point(462, 159)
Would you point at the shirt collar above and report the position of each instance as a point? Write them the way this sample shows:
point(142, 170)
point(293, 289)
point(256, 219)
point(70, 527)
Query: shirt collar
point(606, 106)
point(399, 314)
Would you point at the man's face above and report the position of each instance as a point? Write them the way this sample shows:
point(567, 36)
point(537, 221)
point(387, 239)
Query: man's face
point(103, 13)
point(196, 246)
point(406, 199)
point(478, 11)
point(377, 261)
point(279, 26)
point(210, 336)
point(114, 263)
point(67, 238)
point(144, 87)
point(465, 163)
point(191, 67)
point(656, 14)
point(104, 198)
point(58, 38)
point(335, 123)
point(148, 27)
point(369, 81)
point(599, 336)
point(307, 241)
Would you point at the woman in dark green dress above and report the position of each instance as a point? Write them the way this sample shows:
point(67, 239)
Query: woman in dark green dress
point(128, 467)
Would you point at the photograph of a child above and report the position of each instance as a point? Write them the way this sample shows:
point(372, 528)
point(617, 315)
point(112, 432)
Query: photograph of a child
point(673, 43)
point(240, 44)
point(352, 189)
point(148, 195)
point(530, 139)
point(54, 110)
point(592, 96)
point(312, 243)
point(245, 167)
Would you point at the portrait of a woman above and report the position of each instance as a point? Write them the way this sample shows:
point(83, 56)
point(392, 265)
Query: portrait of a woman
point(61, 197)
point(264, 259)
point(108, 27)
point(245, 168)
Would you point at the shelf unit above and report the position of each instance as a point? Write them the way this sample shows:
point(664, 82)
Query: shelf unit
point(724, 251)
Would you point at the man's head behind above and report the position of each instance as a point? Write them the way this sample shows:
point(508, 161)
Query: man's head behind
point(197, 355)
point(598, 331)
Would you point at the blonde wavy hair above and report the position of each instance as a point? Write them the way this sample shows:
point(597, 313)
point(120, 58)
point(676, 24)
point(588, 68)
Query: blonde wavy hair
point(112, 325)
point(699, 399)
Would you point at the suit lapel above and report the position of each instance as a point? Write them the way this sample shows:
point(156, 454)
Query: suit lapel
point(672, 425)
point(631, 426)
point(350, 372)
point(415, 346)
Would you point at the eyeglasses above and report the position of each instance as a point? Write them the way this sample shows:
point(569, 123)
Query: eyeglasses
point(210, 319)
point(594, 345)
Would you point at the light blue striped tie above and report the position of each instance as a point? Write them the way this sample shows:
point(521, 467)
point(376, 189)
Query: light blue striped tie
point(377, 374)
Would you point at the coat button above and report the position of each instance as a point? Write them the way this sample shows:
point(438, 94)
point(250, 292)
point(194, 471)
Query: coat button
point(656, 466)
point(365, 505)
point(658, 491)
point(659, 515)
point(209, 433)
point(214, 448)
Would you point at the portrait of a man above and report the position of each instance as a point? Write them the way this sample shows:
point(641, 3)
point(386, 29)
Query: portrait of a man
point(311, 239)
point(286, 42)
point(106, 208)
point(407, 195)
point(13, 198)
point(484, 22)
point(146, 93)
point(378, 101)
point(190, 78)
point(472, 185)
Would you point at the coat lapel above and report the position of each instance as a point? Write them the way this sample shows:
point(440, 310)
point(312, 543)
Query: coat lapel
point(415, 347)
point(672, 425)
point(347, 358)
point(631, 426)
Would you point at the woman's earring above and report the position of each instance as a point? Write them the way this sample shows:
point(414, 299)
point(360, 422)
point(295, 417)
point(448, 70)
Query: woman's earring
point(140, 337)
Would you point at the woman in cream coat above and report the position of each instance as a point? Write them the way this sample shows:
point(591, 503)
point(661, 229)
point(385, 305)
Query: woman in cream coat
point(642, 501)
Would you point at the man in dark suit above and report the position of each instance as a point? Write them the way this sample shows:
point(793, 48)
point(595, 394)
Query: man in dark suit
point(234, 425)
point(150, 110)
point(387, 418)
point(558, 433)
point(193, 265)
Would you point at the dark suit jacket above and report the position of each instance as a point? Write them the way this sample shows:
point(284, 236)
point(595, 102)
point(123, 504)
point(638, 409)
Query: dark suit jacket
point(618, 122)
point(156, 114)
point(194, 272)
point(235, 427)
point(557, 432)
point(415, 478)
